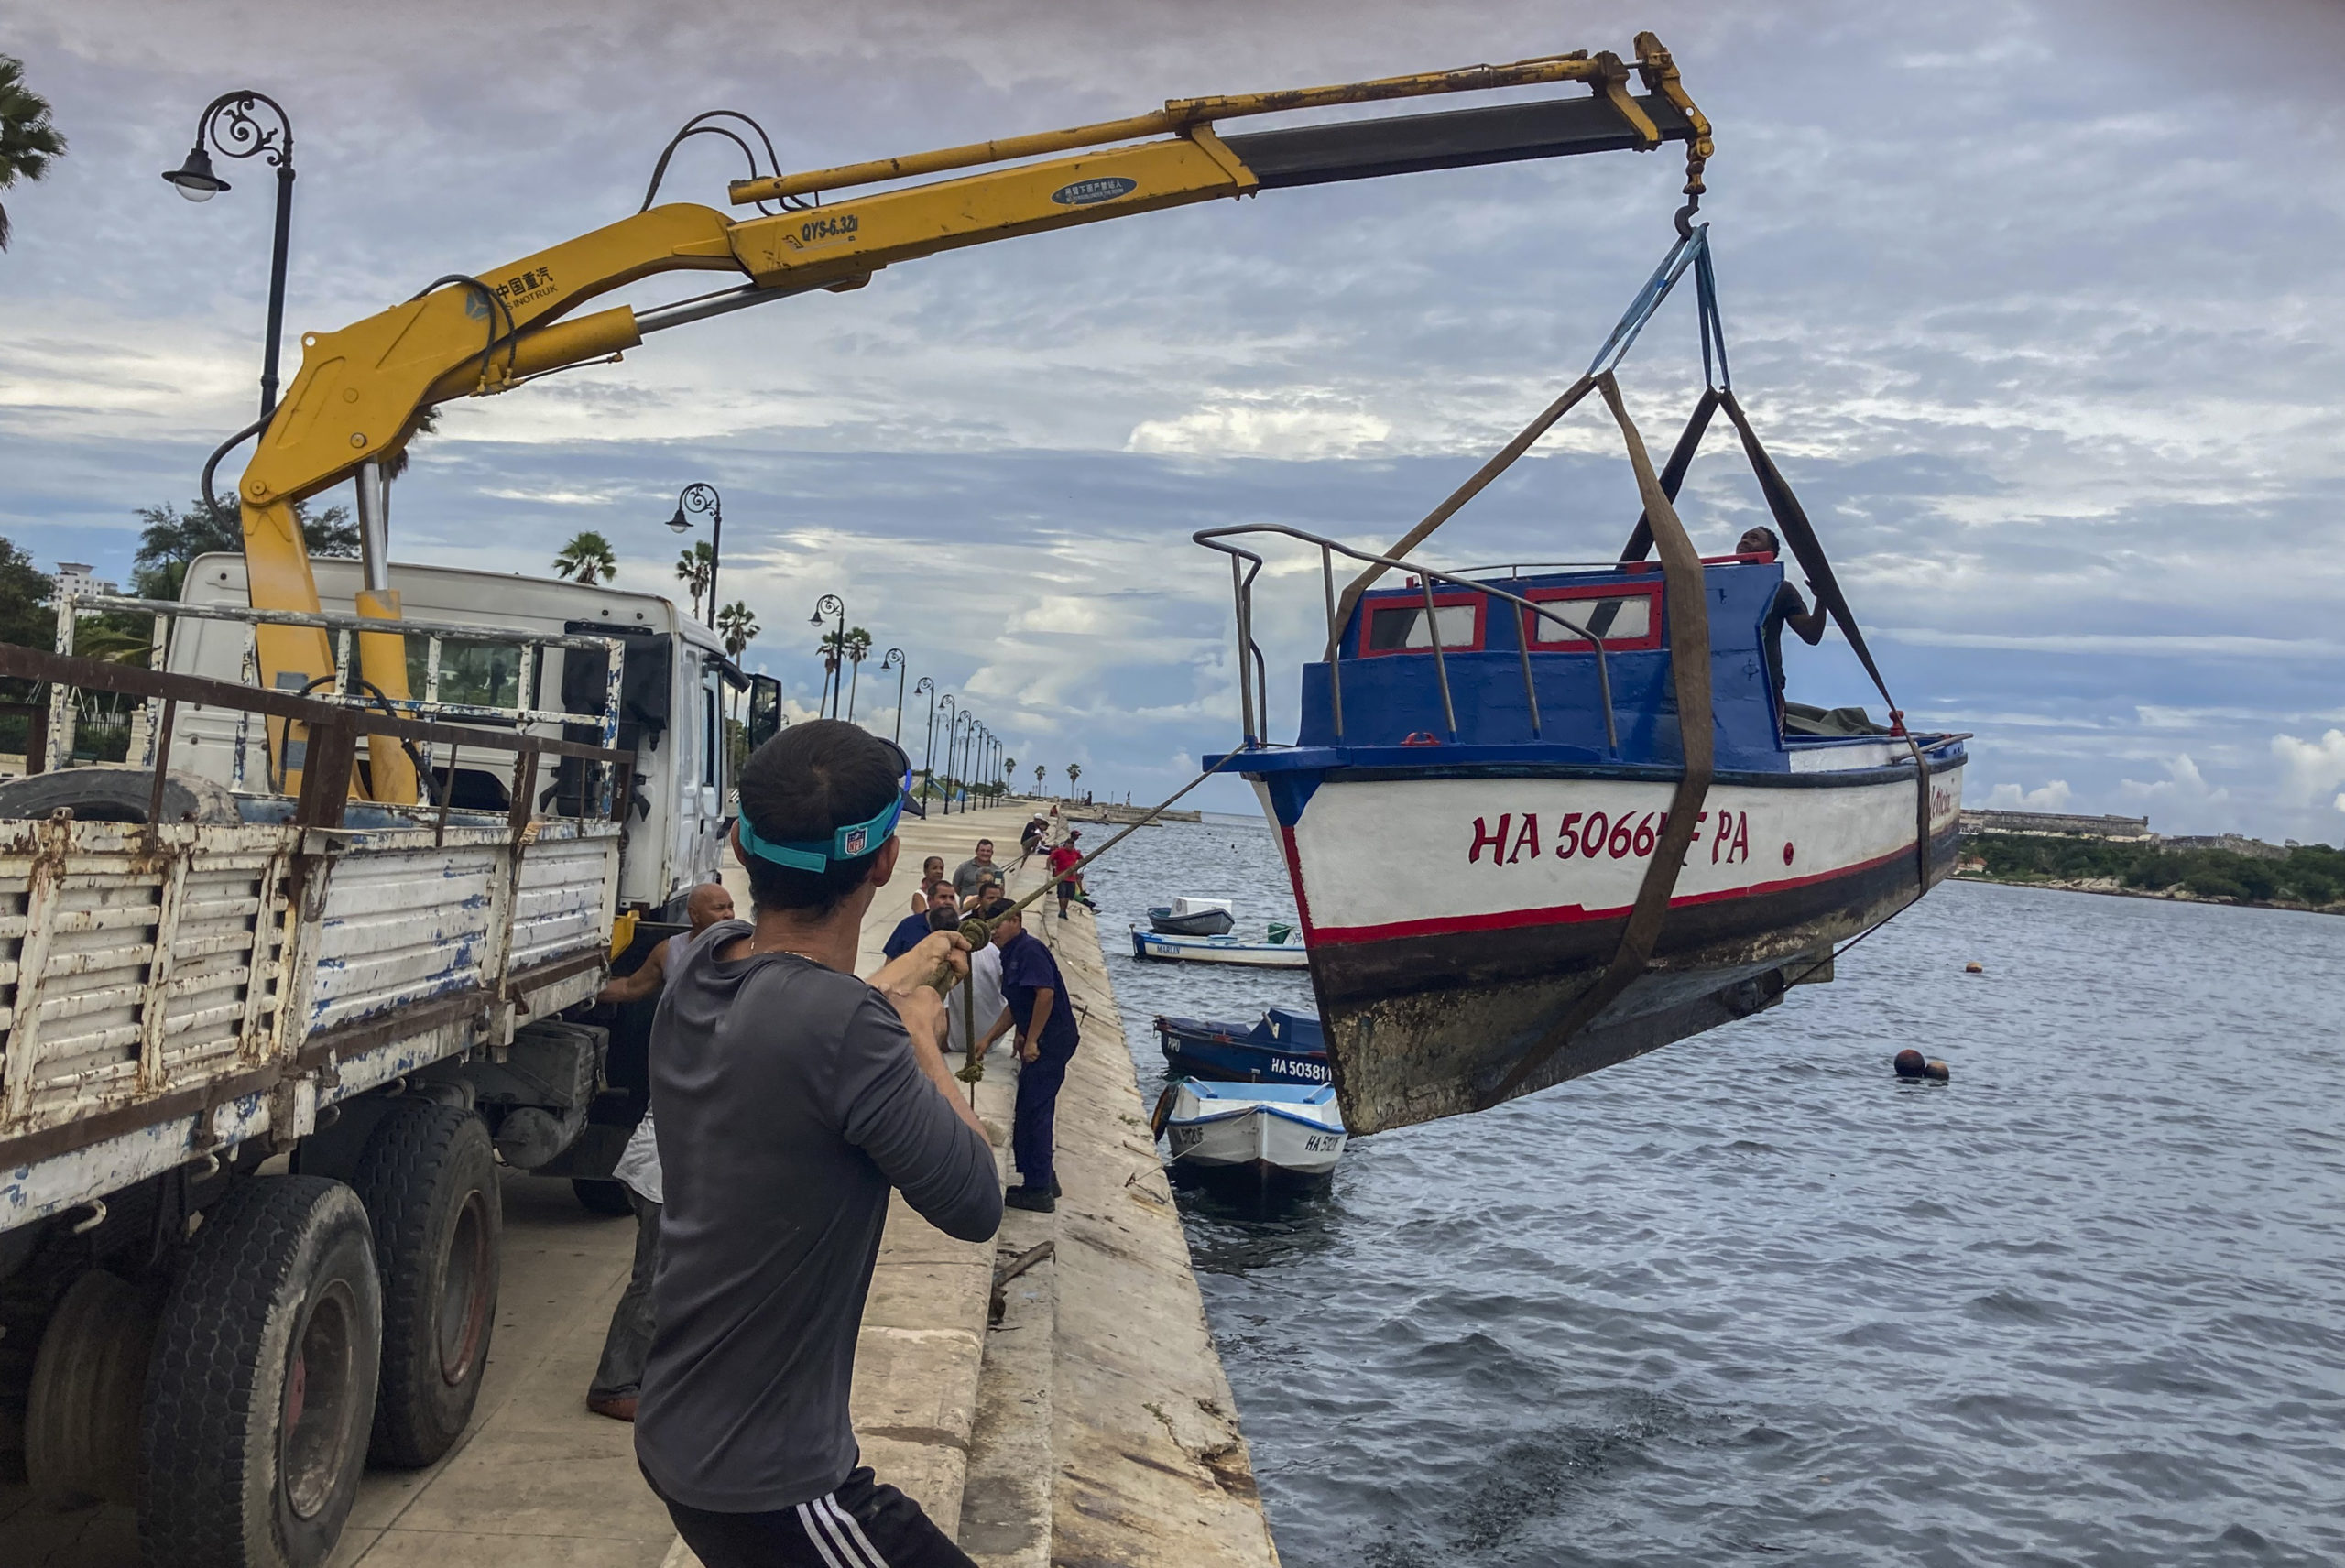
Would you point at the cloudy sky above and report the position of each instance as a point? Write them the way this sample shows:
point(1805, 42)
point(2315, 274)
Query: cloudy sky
point(2036, 303)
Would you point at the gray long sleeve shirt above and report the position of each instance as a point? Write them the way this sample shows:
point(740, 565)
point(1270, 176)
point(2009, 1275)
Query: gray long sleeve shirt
point(789, 1102)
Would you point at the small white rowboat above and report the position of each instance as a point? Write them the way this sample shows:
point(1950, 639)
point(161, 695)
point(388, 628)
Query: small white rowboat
point(1277, 1126)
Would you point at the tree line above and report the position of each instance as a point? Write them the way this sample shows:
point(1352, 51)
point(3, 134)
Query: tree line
point(2312, 874)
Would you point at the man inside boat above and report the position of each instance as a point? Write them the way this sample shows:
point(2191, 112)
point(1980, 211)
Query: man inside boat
point(1035, 996)
point(1788, 609)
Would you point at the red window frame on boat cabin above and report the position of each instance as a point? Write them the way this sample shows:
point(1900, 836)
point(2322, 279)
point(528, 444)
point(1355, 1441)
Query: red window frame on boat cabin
point(1649, 592)
point(1372, 606)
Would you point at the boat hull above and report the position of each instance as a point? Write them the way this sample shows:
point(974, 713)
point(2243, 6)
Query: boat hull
point(1214, 950)
point(1234, 1059)
point(1207, 1135)
point(1451, 925)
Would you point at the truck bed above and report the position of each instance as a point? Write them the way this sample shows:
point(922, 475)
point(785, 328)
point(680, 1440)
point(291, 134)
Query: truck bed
point(169, 993)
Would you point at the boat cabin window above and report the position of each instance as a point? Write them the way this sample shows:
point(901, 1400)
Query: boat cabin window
point(1397, 626)
point(1624, 620)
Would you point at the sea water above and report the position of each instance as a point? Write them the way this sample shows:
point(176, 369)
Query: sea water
point(1750, 1298)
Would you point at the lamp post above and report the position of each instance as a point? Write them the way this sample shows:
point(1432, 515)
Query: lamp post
point(228, 124)
point(894, 659)
point(703, 500)
point(954, 752)
point(928, 751)
point(952, 718)
point(831, 604)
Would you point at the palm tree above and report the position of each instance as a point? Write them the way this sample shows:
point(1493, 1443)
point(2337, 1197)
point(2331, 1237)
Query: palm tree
point(856, 648)
point(1008, 769)
point(424, 424)
point(1038, 776)
point(28, 141)
point(1073, 772)
point(738, 626)
point(588, 557)
point(694, 569)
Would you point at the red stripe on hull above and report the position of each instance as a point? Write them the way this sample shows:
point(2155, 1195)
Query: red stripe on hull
point(1557, 915)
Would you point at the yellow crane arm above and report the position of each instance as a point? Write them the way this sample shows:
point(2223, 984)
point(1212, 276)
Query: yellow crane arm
point(360, 389)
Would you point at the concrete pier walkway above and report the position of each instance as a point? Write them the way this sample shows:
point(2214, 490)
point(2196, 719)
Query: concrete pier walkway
point(1092, 1424)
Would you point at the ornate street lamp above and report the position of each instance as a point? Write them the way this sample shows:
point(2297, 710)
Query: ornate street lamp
point(928, 751)
point(956, 759)
point(703, 500)
point(831, 604)
point(227, 122)
point(952, 718)
point(894, 659)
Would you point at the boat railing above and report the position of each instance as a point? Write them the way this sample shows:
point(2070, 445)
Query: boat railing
point(1253, 681)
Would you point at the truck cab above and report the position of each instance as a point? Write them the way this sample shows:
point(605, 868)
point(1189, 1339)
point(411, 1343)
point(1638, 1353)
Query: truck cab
point(679, 690)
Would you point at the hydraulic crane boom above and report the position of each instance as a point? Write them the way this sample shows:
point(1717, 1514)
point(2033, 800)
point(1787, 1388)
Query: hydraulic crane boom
point(361, 389)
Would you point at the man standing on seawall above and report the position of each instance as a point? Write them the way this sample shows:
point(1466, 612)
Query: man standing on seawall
point(1036, 996)
point(619, 1376)
point(790, 1097)
point(966, 875)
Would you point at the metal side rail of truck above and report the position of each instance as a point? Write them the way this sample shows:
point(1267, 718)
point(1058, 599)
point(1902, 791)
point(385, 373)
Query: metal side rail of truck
point(261, 1054)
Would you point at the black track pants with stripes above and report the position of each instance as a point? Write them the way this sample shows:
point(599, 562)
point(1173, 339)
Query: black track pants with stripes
point(864, 1524)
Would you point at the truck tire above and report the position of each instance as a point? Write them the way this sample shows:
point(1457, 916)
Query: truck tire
point(262, 1381)
point(116, 794)
point(601, 1195)
point(428, 1181)
point(89, 1384)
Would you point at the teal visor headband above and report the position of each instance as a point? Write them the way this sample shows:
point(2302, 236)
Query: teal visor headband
point(850, 843)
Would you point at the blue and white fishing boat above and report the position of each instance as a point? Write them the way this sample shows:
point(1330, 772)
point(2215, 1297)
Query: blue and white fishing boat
point(1294, 1128)
point(1283, 1047)
point(1543, 819)
point(1280, 952)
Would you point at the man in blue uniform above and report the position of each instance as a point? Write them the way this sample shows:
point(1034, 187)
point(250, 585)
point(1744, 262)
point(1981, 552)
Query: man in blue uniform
point(1035, 1002)
point(942, 914)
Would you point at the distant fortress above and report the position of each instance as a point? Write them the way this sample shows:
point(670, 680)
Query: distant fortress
point(2117, 830)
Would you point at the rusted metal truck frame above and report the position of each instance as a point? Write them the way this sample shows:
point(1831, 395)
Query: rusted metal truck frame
point(368, 990)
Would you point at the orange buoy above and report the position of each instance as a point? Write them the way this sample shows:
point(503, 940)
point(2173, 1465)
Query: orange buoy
point(1974, 968)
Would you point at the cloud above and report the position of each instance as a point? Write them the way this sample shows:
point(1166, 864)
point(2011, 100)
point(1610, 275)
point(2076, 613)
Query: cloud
point(2184, 793)
point(1305, 423)
point(2310, 770)
point(2070, 426)
point(2052, 796)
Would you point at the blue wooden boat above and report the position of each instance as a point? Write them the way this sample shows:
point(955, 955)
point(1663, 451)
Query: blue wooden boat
point(1543, 819)
point(1283, 1047)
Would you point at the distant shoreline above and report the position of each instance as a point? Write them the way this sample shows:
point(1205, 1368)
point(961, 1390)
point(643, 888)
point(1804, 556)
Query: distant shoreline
point(2109, 887)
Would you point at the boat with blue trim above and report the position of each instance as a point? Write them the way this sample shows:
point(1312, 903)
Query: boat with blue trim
point(1294, 1128)
point(1283, 1047)
point(1540, 819)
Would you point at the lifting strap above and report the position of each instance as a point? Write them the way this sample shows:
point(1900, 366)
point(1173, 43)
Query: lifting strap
point(1685, 603)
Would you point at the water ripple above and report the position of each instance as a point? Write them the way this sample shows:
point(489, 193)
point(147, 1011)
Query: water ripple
point(1749, 1297)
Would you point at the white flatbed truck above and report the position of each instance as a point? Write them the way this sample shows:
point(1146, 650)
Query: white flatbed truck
point(199, 977)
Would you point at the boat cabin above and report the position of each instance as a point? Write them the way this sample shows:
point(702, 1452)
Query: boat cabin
point(1518, 679)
